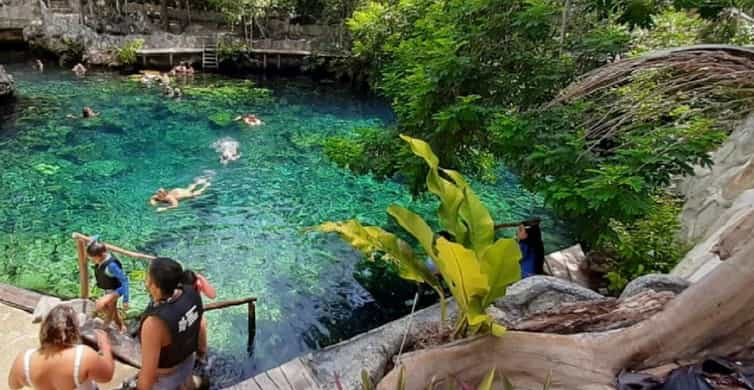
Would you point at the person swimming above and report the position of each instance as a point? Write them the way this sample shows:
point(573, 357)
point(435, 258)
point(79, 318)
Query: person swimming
point(250, 120)
point(228, 149)
point(175, 195)
point(87, 112)
point(79, 69)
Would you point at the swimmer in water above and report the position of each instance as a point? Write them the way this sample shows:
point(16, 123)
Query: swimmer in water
point(250, 120)
point(228, 149)
point(79, 69)
point(175, 195)
point(87, 113)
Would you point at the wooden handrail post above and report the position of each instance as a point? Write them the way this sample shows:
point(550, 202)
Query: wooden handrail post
point(252, 325)
point(83, 270)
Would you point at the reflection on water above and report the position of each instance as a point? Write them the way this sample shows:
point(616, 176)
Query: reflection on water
point(61, 175)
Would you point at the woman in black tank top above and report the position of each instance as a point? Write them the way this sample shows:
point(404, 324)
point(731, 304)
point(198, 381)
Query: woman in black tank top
point(171, 327)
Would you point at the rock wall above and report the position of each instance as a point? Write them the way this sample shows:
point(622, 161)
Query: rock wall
point(7, 85)
point(719, 201)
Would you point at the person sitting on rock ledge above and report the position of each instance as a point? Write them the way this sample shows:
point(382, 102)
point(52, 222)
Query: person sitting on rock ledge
point(249, 120)
point(177, 194)
point(39, 66)
point(79, 69)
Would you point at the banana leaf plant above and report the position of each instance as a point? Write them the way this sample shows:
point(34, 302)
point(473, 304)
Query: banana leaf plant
point(476, 268)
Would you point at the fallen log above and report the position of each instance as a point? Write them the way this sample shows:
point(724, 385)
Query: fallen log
point(712, 317)
point(596, 316)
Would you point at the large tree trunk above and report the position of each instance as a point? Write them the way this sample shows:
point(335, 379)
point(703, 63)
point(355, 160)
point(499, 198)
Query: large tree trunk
point(597, 316)
point(712, 317)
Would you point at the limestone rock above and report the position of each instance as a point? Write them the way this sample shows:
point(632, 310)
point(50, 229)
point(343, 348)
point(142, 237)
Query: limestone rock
point(537, 294)
point(7, 85)
point(84, 308)
point(655, 282)
point(569, 264)
point(43, 308)
point(370, 351)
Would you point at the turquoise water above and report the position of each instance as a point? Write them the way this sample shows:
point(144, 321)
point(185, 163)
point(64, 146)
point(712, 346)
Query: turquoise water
point(60, 175)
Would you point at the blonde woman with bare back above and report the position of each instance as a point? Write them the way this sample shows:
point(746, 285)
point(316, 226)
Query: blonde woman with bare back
point(61, 363)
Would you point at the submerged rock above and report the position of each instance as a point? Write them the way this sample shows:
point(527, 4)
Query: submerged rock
point(7, 85)
point(106, 168)
point(537, 294)
point(656, 282)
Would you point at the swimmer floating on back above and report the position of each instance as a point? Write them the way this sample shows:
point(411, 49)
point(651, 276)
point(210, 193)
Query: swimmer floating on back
point(249, 120)
point(228, 149)
point(177, 194)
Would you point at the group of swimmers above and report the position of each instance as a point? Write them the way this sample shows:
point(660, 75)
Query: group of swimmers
point(172, 331)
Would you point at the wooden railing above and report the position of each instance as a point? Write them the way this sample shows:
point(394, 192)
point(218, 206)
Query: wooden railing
point(81, 241)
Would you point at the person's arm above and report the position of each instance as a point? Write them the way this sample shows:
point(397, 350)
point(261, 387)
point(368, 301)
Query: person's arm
point(100, 367)
point(123, 290)
point(153, 201)
point(206, 287)
point(151, 343)
point(15, 376)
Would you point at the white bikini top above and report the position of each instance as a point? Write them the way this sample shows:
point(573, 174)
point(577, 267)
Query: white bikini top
point(89, 385)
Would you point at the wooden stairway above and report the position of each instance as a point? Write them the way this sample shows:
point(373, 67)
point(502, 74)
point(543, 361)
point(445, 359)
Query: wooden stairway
point(209, 53)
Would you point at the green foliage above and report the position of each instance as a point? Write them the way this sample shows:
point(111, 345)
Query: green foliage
point(126, 55)
point(476, 268)
point(447, 70)
point(670, 29)
point(647, 245)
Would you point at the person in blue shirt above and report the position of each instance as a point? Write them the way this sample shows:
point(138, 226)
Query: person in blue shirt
point(108, 271)
point(532, 250)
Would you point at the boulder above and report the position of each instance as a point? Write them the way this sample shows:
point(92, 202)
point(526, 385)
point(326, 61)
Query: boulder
point(657, 283)
point(83, 307)
point(371, 351)
point(537, 294)
point(569, 264)
point(7, 85)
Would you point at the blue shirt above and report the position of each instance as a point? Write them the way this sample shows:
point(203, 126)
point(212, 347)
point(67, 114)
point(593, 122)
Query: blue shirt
point(115, 271)
point(527, 260)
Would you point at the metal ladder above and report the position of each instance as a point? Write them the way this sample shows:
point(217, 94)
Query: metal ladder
point(209, 53)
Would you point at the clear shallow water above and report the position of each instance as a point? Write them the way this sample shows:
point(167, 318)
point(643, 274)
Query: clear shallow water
point(61, 175)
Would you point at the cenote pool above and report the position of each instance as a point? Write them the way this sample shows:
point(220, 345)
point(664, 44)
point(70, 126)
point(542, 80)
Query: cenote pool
point(60, 175)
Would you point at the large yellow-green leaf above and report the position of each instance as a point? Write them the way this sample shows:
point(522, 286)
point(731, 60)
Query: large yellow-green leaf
point(487, 381)
point(460, 268)
point(414, 224)
point(371, 239)
point(450, 195)
point(500, 262)
point(481, 227)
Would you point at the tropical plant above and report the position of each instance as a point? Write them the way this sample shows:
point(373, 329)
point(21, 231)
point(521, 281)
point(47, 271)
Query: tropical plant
point(476, 268)
point(126, 55)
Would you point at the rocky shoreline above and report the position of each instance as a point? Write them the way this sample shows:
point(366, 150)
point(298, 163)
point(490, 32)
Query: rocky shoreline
point(7, 85)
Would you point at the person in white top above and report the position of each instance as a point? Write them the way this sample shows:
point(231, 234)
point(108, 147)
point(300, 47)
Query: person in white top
point(61, 363)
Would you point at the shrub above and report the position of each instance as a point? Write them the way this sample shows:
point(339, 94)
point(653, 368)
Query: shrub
point(126, 55)
point(648, 245)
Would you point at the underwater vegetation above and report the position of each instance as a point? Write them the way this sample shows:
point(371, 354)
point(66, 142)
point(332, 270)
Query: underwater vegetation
point(61, 175)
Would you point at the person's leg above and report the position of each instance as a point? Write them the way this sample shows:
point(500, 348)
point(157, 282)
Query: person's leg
point(104, 304)
point(202, 352)
point(119, 323)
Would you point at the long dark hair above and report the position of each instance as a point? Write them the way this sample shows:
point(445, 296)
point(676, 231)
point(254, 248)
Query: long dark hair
point(534, 242)
point(167, 274)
